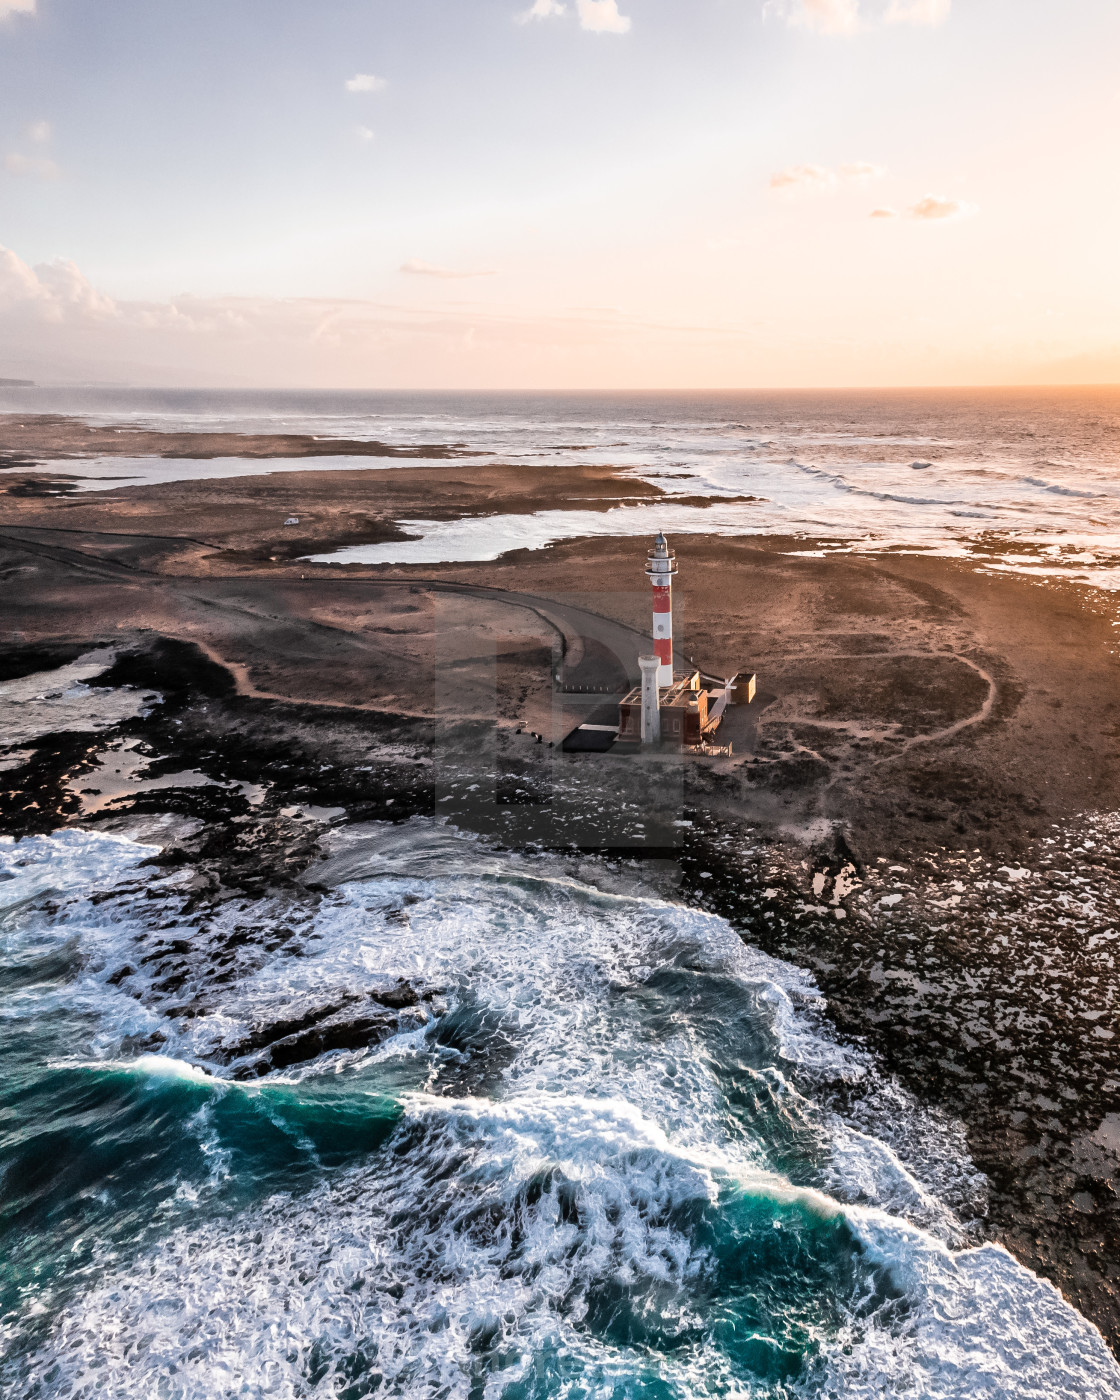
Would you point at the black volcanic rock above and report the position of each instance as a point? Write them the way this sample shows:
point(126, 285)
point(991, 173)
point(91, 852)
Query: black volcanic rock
point(354, 1024)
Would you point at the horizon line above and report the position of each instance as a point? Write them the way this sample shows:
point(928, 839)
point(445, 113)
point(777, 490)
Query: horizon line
point(14, 387)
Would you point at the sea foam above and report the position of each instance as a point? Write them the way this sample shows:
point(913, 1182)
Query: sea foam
point(611, 1176)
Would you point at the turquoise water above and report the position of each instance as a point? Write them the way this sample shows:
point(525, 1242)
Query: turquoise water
point(602, 1169)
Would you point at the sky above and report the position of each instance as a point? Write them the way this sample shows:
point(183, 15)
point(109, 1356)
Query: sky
point(560, 194)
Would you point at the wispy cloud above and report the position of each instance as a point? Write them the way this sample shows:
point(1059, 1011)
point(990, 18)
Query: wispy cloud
point(813, 177)
point(849, 16)
point(596, 16)
point(831, 16)
point(860, 170)
point(918, 11)
point(365, 134)
point(38, 167)
point(418, 267)
point(822, 179)
point(931, 208)
point(54, 324)
point(364, 82)
point(541, 9)
point(824, 16)
point(935, 206)
point(16, 7)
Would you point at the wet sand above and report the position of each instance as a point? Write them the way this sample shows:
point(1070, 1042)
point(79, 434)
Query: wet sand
point(908, 809)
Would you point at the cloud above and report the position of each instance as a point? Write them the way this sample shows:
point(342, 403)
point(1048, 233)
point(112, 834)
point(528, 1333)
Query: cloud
point(831, 16)
point(861, 170)
point(918, 11)
point(541, 9)
point(938, 207)
point(16, 7)
point(932, 208)
point(364, 133)
point(50, 292)
point(54, 325)
point(18, 282)
point(596, 16)
point(802, 177)
point(824, 16)
point(424, 269)
point(364, 82)
point(849, 16)
point(601, 17)
point(821, 179)
point(39, 168)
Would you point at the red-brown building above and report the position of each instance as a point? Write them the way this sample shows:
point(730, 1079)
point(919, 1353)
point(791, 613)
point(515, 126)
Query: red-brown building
point(685, 716)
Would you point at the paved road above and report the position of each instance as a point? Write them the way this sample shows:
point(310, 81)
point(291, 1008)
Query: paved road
point(600, 655)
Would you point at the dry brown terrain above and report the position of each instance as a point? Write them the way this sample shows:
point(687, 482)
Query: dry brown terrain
point(46, 437)
point(237, 524)
point(912, 698)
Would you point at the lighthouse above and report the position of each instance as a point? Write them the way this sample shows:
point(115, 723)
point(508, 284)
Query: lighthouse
point(667, 711)
point(661, 565)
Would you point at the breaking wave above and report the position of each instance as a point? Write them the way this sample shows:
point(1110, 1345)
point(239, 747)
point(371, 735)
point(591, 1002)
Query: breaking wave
point(598, 1164)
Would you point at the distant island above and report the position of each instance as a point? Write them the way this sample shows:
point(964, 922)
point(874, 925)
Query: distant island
point(17, 383)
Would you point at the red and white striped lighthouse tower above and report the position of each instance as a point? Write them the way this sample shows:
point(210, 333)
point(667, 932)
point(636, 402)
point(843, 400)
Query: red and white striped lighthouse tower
point(661, 565)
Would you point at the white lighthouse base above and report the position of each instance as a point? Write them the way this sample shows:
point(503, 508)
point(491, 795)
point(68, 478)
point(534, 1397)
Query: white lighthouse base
point(651, 700)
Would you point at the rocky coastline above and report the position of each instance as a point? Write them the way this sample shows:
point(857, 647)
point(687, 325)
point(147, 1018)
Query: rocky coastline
point(920, 808)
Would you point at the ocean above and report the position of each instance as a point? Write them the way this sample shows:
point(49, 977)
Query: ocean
point(601, 1170)
point(1021, 480)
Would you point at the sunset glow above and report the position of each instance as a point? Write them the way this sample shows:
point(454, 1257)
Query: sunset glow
point(587, 194)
